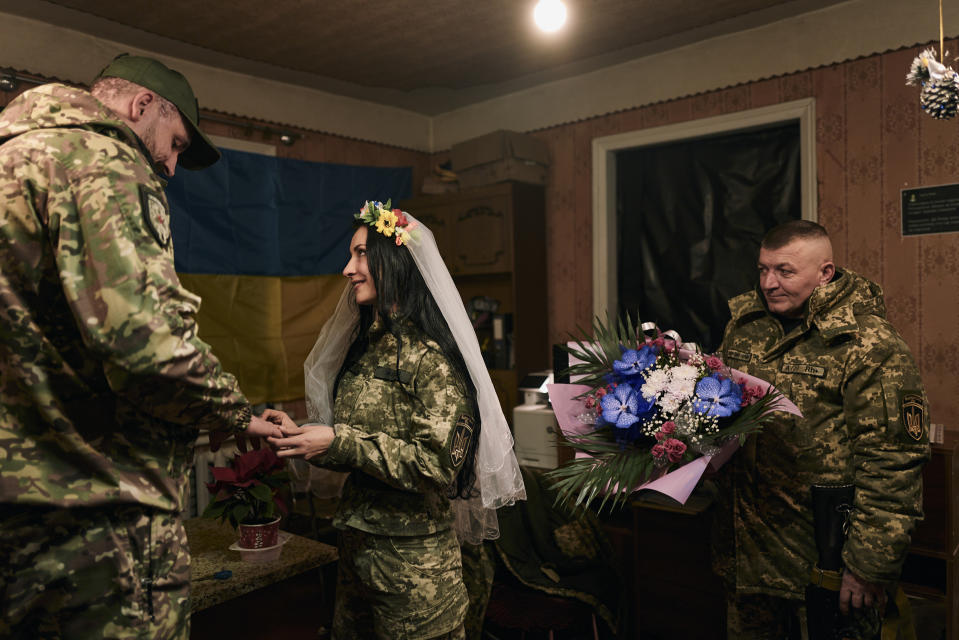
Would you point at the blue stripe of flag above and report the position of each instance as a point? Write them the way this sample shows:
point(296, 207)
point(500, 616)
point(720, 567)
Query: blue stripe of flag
point(251, 214)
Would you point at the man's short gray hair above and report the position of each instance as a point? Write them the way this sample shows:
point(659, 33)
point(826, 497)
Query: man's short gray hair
point(781, 235)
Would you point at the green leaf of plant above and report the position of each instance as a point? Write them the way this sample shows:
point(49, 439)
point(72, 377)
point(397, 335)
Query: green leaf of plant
point(261, 492)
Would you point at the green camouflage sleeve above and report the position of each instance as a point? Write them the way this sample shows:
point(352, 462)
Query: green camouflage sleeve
point(117, 273)
point(887, 414)
point(424, 459)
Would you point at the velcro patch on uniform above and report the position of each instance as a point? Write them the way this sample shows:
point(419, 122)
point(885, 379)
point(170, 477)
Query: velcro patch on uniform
point(735, 354)
point(461, 438)
point(156, 215)
point(392, 375)
point(805, 369)
point(911, 412)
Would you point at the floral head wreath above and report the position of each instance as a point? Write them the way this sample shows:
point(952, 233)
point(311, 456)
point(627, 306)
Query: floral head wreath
point(388, 221)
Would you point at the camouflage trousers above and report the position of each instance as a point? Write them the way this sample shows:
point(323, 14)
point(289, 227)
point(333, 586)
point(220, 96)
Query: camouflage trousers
point(757, 616)
point(399, 587)
point(119, 573)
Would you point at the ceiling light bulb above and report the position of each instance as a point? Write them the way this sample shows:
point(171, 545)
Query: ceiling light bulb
point(550, 15)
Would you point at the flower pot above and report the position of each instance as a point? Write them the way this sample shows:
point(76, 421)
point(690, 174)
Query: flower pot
point(258, 536)
point(264, 554)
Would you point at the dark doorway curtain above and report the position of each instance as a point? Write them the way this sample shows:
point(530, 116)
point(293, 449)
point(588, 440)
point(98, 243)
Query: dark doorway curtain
point(690, 217)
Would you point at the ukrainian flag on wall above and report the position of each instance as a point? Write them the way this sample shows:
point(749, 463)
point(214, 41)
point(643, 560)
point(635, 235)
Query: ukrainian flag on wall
point(263, 241)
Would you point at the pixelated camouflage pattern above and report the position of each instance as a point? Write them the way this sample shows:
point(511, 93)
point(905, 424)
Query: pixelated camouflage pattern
point(399, 587)
point(121, 573)
point(396, 432)
point(847, 369)
point(756, 616)
point(479, 569)
point(103, 381)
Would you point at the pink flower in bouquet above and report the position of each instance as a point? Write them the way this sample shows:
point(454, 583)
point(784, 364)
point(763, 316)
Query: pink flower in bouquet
point(751, 393)
point(659, 451)
point(714, 363)
point(664, 430)
point(674, 449)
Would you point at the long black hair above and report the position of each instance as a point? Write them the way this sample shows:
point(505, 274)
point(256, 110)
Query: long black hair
point(402, 296)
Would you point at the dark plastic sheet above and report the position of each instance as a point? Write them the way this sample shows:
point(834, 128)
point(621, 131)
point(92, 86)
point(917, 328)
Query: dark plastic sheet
point(690, 217)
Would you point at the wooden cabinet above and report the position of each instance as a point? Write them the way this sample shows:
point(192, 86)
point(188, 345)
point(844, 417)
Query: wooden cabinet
point(930, 569)
point(493, 241)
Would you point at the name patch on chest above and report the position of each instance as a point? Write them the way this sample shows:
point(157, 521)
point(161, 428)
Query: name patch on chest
point(735, 354)
point(392, 375)
point(805, 369)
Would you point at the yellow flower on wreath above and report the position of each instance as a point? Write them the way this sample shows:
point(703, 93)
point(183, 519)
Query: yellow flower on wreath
point(386, 222)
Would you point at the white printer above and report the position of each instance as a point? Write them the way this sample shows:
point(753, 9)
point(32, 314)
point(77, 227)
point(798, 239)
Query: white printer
point(534, 424)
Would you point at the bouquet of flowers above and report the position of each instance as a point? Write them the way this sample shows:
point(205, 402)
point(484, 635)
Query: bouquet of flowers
point(647, 406)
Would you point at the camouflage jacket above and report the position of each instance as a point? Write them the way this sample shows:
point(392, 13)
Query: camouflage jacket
point(865, 422)
point(403, 428)
point(103, 381)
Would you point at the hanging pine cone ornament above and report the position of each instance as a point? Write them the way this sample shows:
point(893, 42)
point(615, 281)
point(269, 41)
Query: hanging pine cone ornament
point(940, 85)
point(941, 98)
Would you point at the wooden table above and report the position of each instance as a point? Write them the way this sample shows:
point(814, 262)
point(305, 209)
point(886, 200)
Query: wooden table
point(209, 547)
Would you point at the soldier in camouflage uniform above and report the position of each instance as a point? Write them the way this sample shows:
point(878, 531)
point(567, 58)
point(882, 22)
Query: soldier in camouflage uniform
point(404, 426)
point(819, 335)
point(104, 384)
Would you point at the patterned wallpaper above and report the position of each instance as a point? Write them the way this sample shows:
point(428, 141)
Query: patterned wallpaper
point(871, 141)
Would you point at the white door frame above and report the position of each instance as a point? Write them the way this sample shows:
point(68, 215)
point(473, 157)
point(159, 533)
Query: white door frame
point(604, 176)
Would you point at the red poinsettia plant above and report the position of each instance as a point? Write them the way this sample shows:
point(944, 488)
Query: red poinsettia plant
point(248, 491)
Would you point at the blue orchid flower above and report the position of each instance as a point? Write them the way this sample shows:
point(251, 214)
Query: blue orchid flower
point(634, 362)
point(717, 396)
point(620, 406)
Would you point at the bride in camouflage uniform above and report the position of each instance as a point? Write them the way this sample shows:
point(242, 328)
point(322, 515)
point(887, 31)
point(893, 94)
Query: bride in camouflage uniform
point(417, 424)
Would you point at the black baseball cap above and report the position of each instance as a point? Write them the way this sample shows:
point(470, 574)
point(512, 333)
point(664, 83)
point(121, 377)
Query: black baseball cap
point(172, 85)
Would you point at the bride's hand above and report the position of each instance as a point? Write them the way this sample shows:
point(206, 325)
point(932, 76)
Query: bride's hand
point(305, 442)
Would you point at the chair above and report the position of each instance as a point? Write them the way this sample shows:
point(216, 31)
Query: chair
point(518, 608)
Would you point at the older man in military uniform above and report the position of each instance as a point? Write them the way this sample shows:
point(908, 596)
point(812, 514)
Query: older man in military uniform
point(819, 334)
point(104, 384)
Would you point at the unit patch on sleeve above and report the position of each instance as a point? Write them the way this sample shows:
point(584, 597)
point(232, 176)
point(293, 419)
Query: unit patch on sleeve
point(156, 216)
point(461, 438)
point(911, 414)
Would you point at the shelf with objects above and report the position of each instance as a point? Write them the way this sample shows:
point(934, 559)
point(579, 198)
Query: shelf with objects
point(492, 239)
